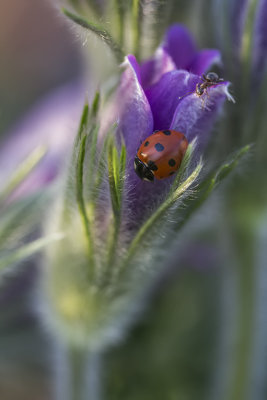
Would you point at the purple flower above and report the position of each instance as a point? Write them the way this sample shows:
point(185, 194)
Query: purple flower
point(177, 51)
point(149, 98)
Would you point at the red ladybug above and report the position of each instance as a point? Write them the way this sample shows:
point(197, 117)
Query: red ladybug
point(160, 155)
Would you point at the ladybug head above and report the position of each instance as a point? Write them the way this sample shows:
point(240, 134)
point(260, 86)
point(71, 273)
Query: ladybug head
point(142, 170)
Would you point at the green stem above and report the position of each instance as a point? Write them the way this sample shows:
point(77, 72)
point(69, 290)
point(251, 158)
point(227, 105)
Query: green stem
point(77, 364)
point(78, 374)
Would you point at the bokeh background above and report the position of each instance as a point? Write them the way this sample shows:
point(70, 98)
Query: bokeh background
point(185, 346)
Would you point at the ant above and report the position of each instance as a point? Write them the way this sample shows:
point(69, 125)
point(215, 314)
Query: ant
point(208, 80)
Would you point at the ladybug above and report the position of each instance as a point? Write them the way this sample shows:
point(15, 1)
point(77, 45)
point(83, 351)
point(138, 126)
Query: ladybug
point(160, 155)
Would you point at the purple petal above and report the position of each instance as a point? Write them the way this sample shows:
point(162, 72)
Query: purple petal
point(203, 61)
point(260, 41)
point(164, 96)
point(51, 123)
point(136, 123)
point(196, 115)
point(180, 45)
point(152, 70)
point(135, 116)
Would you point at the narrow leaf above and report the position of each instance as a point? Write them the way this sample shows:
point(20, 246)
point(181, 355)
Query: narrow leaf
point(27, 250)
point(122, 166)
point(19, 217)
point(83, 123)
point(81, 203)
point(23, 170)
point(96, 105)
point(116, 166)
point(230, 165)
point(70, 190)
point(211, 182)
point(157, 215)
point(98, 30)
point(112, 169)
point(184, 165)
point(101, 168)
point(91, 145)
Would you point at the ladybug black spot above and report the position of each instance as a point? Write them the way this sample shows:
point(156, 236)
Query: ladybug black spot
point(171, 162)
point(151, 165)
point(167, 132)
point(146, 143)
point(159, 147)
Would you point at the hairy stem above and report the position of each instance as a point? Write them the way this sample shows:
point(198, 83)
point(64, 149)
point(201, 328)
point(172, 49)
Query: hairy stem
point(77, 374)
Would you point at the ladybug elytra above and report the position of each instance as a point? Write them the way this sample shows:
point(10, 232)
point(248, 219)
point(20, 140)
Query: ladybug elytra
point(160, 155)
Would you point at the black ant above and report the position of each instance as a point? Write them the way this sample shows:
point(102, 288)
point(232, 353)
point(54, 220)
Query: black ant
point(208, 80)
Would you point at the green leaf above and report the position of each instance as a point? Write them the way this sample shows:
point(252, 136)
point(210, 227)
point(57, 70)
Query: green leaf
point(173, 197)
point(83, 123)
point(17, 255)
point(91, 151)
point(101, 32)
point(19, 218)
point(122, 166)
point(207, 186)
point(101, 169)
point(231, 164)
point(184, 165)
point(95, 105)
point(116, 169)
point(70, 189)
point(22, 171)
point(81, 203)
point(113, 168)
